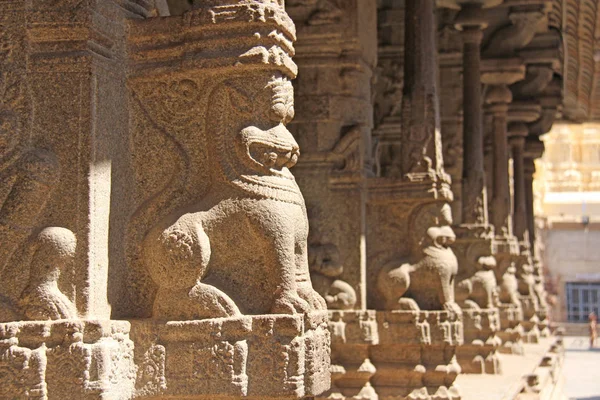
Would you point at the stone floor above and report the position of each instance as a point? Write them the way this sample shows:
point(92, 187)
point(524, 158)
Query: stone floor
point(582, 369)
point(507, 384)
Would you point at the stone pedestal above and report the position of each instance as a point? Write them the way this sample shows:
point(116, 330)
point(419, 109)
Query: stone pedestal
point(479, 353)
point(511, 331)
point(353, 334)
point(67, 360)
point(416, 355)
point(255, 357)
point(511, 311)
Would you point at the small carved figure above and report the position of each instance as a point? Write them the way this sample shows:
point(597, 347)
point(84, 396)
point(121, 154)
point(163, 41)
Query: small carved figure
point(325, 267)
point(427, 281)
point(42, 299)
point(243, 246)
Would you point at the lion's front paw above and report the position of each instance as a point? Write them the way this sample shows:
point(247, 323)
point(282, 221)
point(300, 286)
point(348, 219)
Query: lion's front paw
point(290, 303)
point(452, 308)
point(313, 298)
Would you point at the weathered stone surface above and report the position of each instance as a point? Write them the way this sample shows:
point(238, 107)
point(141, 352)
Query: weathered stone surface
point(256, 357)
point(202, 223)
point(415, 357)
point(66, 360)
point(145, 156)
point(479, 353)
point(353, 335)
point(333, 121)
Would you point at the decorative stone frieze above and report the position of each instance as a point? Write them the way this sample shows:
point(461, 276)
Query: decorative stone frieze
point(353, 335)
point(66, 359)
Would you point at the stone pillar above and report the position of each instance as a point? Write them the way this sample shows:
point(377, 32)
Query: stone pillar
point(534, 149)
point(498, 98)
point(410, 264)
point(529, 170)
point(474, 202)
point(211, 97)
point(332, 124)
point(476, 281)
point(524, 263)
point(63, 107)
point(518, 133)
point(507, 248)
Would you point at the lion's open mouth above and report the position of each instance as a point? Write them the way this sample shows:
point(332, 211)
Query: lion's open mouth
point(273, 157)
point(275, 148)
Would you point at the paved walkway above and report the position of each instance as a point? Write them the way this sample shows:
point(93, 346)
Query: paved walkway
point(506, 385)
point(582, 369)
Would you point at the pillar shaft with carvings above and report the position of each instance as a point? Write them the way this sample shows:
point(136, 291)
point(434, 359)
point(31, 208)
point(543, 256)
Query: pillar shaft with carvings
point(332, 124)
point(517, 144)
point(411, 266)
point(474, 207)
point(498, 99)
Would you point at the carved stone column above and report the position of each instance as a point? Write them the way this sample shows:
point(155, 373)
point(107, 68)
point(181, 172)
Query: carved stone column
point(336, 54)
point(506, 246)
point(524, 265)
point(498, 98)
point(63, 128)
point(474, 202)
point(410, 264)
point(534, 149)
point(518, 133)
point(217, 240)
point(476, 281)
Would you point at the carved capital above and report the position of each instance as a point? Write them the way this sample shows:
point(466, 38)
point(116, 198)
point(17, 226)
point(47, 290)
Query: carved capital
point(507, 40)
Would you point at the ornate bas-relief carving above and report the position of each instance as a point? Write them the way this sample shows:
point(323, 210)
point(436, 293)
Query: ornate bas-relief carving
point(42, 299)
point(427, 280)
point(66, 359)
point(251, 188)
point(27, 177)
point(325, 267)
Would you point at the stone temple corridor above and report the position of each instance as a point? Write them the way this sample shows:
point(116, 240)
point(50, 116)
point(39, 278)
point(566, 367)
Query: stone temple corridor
point(285, 199)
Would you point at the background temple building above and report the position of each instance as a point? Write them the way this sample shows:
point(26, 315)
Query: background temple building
point(568, 209)
point(290, 199)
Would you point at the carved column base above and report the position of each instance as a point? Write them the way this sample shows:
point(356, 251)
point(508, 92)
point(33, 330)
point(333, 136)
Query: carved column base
point(66, 360)
point(258, 357)
point(479, 353)
point(511, 331)
point(531, 331)
point(416, 355)
point(353, 333)
point(544, 328)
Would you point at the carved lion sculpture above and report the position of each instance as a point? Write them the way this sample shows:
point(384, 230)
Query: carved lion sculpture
point(526, 285)
point(476, 283)
point(42, 299)
point(508, 286)
point(428, 281)
point(242, 247)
